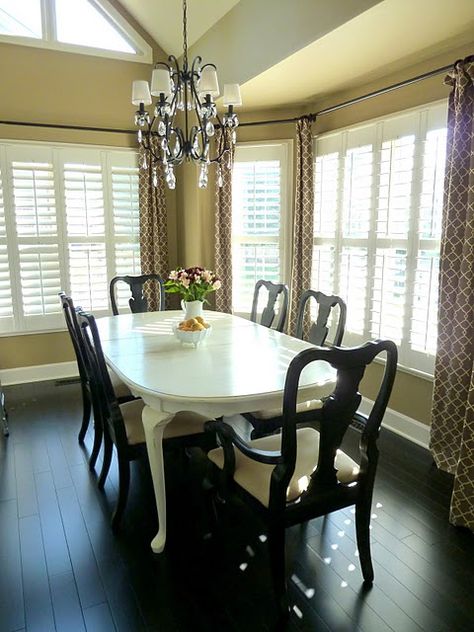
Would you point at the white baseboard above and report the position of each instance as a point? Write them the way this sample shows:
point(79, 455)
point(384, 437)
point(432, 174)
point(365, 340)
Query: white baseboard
point(39, 373)
point(401, 424)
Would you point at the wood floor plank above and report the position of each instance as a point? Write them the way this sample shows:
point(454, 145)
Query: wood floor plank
point(38, 608)
point(12, 615)
point(99, 619)
point(89, 585)
point(25, 481)
point(66, 605)
point(54, 539)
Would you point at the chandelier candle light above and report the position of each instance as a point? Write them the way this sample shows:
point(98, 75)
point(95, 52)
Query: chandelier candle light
point(190, 89)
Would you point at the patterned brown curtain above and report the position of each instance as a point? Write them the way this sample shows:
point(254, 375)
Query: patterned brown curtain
point(303, 218)
point(452, 425)
point(153, 224)
point(223, 228)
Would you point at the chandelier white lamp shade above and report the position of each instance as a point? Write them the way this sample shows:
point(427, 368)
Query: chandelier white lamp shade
point(193, 90)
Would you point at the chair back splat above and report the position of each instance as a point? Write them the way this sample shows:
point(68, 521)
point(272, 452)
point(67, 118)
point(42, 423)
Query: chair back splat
point(137, 302)
point(319, 330)
point(311, 474)
point(269, 314)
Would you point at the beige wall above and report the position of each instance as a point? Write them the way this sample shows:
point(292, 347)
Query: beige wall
point(45, 86)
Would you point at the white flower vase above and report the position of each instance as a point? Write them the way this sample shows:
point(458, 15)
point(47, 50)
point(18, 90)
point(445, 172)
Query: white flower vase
point(192, 309)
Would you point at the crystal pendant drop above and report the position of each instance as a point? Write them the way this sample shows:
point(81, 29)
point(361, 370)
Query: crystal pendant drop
point(234, 137)
point(164, 144)
point(161, 128)
point(177, 147)
point(171, 179)
point(140, 136)
point(203, 177)
point(210, 128)
point(196, 145)
point(220, 179)
point(155, 178)
point(144, 162)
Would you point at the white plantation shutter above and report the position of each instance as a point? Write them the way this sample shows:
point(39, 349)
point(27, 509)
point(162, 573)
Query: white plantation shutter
point(6, 301)
point(259, 219)
point(68, 221)
point(383, 184)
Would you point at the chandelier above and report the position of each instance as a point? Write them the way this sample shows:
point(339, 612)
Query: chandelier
point(191, 90)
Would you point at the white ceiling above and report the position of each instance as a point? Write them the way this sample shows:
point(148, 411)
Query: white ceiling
point(163, 19)
point(390, 36)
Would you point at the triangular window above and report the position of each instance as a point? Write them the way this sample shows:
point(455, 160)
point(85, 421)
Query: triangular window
point(81, 23)
point(93, 27)
point(20, 18)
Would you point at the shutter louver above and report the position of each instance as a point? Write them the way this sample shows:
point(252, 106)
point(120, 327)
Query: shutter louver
point(125, 201)
point(40, 279)
point(389, 293)
point(394, 195)
point(256, 225)
point(357, 191)
point(353, 286)
point(34, 199)
point(84, 199)
point(326, 183)
point(6, 303)
point(88, 274)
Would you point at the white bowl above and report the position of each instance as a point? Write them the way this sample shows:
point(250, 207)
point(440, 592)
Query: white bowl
point(191, 337)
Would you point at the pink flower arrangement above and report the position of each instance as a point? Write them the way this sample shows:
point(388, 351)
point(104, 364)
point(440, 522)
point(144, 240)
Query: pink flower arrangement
point(194, 284)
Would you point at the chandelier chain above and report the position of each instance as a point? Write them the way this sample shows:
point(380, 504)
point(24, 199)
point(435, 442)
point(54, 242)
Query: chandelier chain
point(185, 33)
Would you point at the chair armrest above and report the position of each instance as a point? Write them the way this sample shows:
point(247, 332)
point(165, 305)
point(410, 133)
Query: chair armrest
point(228, 436)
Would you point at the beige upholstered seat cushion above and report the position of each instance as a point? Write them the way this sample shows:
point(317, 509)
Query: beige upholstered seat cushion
point(184, 423)
point(313, 404)
point(120, 388)
point(324, 390)
point(255, 477)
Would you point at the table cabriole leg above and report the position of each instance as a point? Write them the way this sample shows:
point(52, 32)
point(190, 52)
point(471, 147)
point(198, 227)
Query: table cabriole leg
point(154, 423)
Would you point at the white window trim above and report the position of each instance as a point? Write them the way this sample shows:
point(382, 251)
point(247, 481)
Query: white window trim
point(144, 52)
point(62, 238)
point(286, 220)
point(426, 365)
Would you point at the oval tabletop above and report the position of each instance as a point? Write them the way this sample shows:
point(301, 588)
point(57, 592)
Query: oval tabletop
point(239, 367)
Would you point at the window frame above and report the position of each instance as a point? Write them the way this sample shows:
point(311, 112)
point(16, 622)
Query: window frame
point(415, 362)
point(48, 40)
point(61, 154)
point(270, 150)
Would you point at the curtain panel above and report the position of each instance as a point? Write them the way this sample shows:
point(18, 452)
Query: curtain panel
point(452, 424)
point(153, 224)
point(223, 227)
point(303, 218)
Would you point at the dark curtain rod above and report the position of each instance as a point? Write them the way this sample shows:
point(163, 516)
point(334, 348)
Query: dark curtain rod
point(311, 116)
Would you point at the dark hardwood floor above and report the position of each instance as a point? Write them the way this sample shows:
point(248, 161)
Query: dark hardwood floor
point(61, 568)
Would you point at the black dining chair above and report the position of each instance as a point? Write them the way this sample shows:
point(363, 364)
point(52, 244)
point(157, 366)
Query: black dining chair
point(122, 423)
point(318, 330)
point(270, 311)
point(300, 473)
point(265, 422)
point(136, 285)
point(121, 391)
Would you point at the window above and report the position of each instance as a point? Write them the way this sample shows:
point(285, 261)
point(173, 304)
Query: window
point(260, 215)
point(378, 202)
point(86, 26)
point(68, 220)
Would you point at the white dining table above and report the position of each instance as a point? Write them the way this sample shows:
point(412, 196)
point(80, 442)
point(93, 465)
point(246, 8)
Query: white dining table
point(239, 367)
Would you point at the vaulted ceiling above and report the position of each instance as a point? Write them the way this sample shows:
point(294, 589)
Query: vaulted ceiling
point(284, 52)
